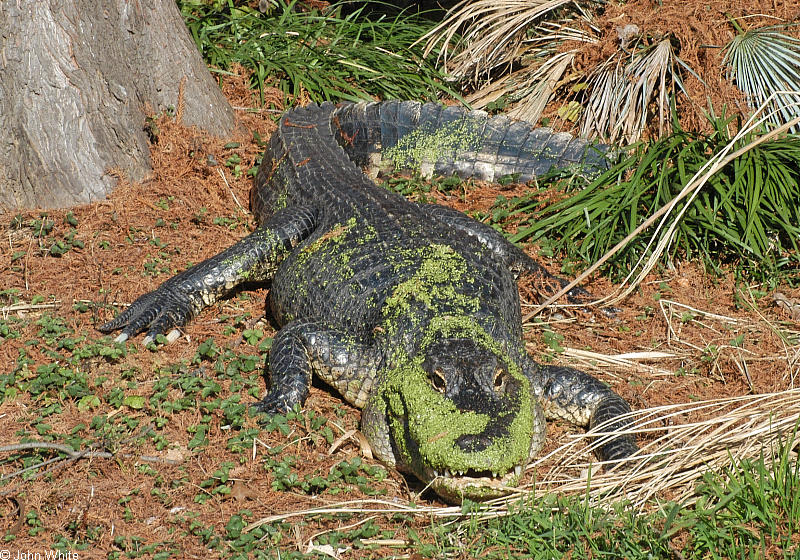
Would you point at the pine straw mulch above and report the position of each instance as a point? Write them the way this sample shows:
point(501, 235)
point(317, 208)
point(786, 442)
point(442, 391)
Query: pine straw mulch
point(682, 339)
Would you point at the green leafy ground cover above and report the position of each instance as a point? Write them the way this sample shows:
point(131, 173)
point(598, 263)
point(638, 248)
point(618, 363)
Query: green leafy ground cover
point(155, 424)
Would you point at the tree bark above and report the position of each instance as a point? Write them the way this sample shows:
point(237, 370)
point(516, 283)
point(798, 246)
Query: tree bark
point(76, 78)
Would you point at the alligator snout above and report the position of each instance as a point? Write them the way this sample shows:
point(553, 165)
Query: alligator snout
point(473, 443)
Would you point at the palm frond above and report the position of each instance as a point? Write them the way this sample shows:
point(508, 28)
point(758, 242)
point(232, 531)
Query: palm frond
point(540, 86)
point(530, 88)
point(493, 34)
point(516, 46)
point(622, 92)
point(763, 62)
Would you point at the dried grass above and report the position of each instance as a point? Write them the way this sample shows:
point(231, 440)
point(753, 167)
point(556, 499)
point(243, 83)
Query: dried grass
point(497, 36)
point(493, 36)
point(619, 108)
point(680, 450)
point(538, 86)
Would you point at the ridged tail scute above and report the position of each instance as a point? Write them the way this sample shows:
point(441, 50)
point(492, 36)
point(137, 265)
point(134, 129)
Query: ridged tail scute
point(438, 140)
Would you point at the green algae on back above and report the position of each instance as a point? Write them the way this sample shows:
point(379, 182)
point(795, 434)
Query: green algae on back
point(336, 244)
point(436, 279)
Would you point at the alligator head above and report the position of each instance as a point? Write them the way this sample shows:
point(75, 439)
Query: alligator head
point(460, 416)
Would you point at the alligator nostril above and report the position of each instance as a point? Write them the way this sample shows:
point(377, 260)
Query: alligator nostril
point(473, 443)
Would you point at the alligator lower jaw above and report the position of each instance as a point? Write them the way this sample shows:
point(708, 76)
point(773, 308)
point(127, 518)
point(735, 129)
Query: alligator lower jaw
point(455, 487)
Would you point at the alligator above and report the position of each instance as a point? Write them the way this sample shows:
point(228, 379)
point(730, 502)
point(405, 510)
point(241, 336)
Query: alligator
point(410, 311)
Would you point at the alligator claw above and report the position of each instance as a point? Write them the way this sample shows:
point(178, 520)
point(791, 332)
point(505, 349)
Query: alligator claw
point(158, 312)
point(270, 405)
point(577, 294)
point(611, 311)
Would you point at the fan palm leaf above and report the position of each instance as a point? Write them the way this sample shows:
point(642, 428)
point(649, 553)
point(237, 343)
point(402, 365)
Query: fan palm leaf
point(764, 62)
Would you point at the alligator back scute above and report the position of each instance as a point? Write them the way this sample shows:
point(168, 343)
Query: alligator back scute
point(357, 129)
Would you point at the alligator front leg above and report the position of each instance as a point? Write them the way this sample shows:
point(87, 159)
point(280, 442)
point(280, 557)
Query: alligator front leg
point(180, 298)
point(577, 397)
point(302, 348)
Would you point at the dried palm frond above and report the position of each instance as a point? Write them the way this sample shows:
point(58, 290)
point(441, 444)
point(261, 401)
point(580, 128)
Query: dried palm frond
point(531, 89)
point(494, 33)
point(621, 93)
point(533, 86)
point(764, 62)
point(519, 47)
point(511, 37)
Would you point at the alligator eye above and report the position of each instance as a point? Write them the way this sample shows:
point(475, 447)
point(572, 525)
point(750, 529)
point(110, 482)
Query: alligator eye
point(499, 380)
point(438, 381)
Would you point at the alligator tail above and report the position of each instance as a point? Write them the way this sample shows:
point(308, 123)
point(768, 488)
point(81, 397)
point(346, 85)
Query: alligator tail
point(438, 140)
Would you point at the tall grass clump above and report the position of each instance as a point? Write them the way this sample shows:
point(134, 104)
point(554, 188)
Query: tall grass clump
point(751, 507)
point(321, 55)
point(746, 213)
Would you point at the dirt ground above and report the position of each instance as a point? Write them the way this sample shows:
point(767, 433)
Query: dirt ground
point(724, 340)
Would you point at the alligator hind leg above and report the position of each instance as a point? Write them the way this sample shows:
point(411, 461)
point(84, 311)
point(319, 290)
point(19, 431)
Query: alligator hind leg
point(180, 298)
point(302, 348)
point(511, 256)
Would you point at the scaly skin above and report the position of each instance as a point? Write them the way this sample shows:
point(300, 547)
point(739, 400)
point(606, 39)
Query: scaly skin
point(410, 311)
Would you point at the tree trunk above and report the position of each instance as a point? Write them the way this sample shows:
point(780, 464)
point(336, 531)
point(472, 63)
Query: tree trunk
point(76, 78)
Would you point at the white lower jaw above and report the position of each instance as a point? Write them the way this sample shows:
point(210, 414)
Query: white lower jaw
point(454, 486)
